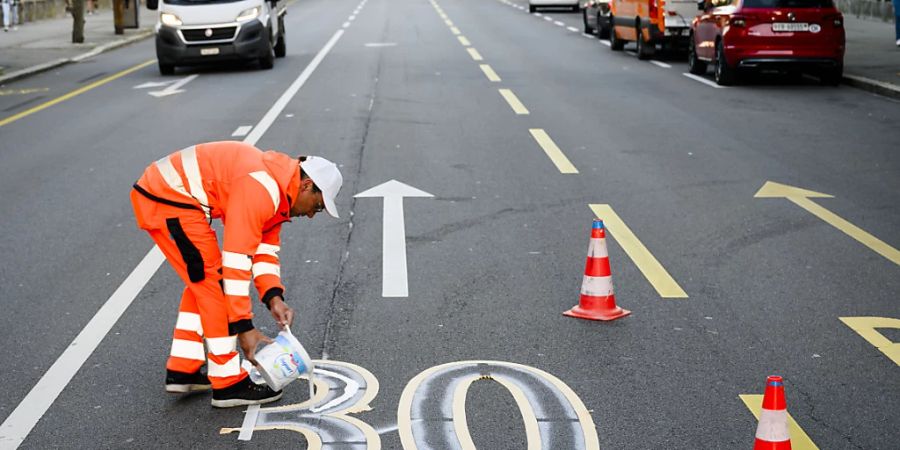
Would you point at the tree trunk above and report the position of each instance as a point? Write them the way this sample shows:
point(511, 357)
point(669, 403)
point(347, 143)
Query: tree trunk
point(78, 21)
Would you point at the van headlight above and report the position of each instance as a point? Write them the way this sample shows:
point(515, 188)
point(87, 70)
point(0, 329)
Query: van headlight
point(248, 14)
point(170, 19)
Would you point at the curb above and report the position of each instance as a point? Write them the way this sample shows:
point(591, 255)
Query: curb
point(874, 86)
point(28, 71)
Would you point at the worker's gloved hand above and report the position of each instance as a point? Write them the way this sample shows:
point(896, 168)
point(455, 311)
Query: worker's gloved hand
point(249, 340)
point(281, 312)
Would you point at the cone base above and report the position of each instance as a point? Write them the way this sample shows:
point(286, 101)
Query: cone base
point(760, 444)
point(605, 315)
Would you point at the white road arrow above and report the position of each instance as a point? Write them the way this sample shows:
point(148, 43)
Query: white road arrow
point(174, 88)
point(153, 84)
point(394, 281)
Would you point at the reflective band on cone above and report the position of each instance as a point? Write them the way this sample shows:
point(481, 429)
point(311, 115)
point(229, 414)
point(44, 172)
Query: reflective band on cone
point(772, 431)
point(598, 299)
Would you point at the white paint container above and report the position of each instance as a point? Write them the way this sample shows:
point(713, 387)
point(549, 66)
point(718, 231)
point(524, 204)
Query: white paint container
point(283, 361)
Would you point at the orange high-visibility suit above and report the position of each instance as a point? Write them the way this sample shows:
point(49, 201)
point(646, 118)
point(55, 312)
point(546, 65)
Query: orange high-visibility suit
point(175, 200)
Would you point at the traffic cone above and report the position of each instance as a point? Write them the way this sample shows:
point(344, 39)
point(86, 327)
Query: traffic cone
point(772, 431)
point(598, 301)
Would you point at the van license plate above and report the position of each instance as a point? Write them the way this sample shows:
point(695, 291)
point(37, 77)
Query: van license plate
point(209, 51)
point(790, 26)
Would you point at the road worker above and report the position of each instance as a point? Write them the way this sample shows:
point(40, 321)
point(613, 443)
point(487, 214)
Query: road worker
point(253, 193)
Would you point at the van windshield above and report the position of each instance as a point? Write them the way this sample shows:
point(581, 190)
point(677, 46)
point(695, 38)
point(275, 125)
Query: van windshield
point(197, 2)
point(788, 4)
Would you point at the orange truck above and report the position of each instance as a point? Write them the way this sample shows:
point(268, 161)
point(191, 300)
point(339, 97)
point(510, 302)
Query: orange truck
point(651, 23)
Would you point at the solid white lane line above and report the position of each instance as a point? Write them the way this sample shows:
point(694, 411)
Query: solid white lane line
point(660, 64)
point(242, 131)
point(22, 420)
point(703, 80)
point(249, 422)
point(19, 424)
point(572, 29)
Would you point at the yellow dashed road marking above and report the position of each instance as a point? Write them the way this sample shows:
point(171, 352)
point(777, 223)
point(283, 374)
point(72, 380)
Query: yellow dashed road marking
point(556, 155)
point(513, 101)
point(474, 54)
point(454, 30)
point(464, 41)
point(655, 273)
point(489, 73)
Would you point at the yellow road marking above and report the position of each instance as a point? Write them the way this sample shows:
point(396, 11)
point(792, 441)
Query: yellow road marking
point(556, 155)
point(74, 93)
point(22, 91)
point(474, 54)
point(449, 22)
point(489, 73)
point(866, 326)
point(655, 273)
point(514, 102)
point(799, 439)
point(801, 198)
point(464, 41)
point(454, 30)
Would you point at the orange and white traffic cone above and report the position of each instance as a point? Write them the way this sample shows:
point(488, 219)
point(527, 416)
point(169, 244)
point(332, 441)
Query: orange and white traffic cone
point(598, 301)
point(772, 431)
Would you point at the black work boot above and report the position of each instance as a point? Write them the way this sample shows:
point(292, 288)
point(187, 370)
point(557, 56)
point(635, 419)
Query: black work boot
point(244, 392)
point(180, 382)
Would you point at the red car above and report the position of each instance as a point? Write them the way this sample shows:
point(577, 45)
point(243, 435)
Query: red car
point(784, 35)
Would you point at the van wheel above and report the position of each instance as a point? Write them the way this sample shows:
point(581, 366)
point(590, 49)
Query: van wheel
point(166, 69)
point(280, 47)
point(615, 43)
point(602, 31)
point(644, 50)
point(695, 65)
point(587, 28)
point(725, 75)
point(268, 61)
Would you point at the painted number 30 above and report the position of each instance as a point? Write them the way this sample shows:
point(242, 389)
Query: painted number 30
point(548, 408)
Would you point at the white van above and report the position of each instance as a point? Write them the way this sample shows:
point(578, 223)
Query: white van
point(191, 32)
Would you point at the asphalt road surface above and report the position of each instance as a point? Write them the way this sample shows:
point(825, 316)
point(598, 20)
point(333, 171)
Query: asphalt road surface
point(522, 130)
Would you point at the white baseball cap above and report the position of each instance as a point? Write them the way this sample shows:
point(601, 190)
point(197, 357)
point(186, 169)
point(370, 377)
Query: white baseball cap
point(327, 177)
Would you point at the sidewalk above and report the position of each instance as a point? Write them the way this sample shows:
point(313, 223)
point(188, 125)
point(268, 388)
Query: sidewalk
point(45, 44)
point(872, 54)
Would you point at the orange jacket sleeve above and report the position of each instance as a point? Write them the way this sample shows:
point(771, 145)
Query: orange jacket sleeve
point(266, 266)
point(249, 206)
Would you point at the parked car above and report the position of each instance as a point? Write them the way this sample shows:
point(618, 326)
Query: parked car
point(650, 23)
point(595, 15)
point(533, 5)
point(193, 32)
point(786, 35)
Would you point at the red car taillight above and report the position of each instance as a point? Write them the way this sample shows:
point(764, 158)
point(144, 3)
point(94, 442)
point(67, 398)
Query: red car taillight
point(837, 20)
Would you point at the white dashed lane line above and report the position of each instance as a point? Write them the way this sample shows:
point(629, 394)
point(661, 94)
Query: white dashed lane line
point(559, 24)
point(572, 29)
point(703, 80)
point(660, 64)
point(606, 43)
